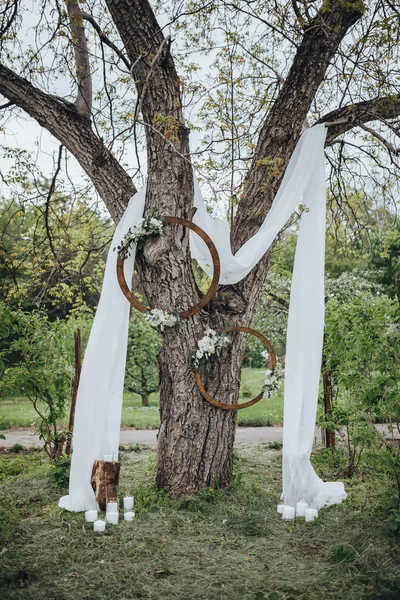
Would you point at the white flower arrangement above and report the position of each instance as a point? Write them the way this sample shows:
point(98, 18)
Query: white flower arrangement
point(146, 227)
point(209, 346)
point(160, 319)
point(272, 380)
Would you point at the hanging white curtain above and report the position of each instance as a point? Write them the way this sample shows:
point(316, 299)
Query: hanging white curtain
point(101, 387)
point(303, 182)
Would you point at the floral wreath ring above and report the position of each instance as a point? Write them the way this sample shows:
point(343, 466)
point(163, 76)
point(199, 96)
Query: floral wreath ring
point(214, 283)
point(222, 405)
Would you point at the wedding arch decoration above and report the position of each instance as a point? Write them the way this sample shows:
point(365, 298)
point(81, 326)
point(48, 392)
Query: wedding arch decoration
point(122, 254)
point(197, 373)
point(99, 404)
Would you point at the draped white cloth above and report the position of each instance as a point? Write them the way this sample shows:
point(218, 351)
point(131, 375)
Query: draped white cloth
point(101, 386)
point(100, 391)
point(303, 182)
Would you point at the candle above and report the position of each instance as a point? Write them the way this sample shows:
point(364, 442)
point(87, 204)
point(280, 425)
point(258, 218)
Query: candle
point(279, 508)
point(128, 502)
point(107, 457)
point(301, 508)
point(311, 514)
point(129, 516)
point(99, 525)
point(91, 516)
point(288, 512)
point(112, 506)
point(112, 517)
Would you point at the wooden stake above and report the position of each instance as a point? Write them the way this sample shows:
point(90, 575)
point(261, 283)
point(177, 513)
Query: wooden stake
point(78, 367)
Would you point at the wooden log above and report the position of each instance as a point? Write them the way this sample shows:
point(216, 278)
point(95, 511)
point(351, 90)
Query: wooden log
point(105, 479)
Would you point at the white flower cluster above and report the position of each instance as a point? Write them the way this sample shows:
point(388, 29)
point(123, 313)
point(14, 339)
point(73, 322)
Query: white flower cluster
point(211, 343)
point(144, 228)
point(159, 319)
point(272, 380)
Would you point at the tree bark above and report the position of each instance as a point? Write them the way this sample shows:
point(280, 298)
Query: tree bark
point(104, 481)
point(145, 398)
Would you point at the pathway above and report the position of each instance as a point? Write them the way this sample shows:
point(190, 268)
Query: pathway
point(129, 437)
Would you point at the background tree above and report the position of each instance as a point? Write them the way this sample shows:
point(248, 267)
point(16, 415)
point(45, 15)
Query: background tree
point(276, 67)
point(38, 365)
point(141, 367)
point(52, 254)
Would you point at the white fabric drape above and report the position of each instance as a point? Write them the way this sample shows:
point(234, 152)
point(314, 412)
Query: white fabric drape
point(100, 391)
point(303, 182)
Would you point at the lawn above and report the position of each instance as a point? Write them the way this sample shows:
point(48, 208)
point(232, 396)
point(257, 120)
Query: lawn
point(18, 412)
point(221, 544)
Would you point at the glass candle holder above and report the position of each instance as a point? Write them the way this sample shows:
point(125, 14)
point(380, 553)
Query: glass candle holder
point(112, 498)
point(91, 516)
point(99, 525)
point(129, 515)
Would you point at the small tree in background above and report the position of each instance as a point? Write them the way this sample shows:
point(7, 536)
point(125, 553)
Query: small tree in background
point(144, 344)
point(385, 260)
point(39, 366)
point(362, 353)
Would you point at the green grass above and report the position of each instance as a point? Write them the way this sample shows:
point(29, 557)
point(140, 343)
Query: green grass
point(221, 544)
point(18, 412)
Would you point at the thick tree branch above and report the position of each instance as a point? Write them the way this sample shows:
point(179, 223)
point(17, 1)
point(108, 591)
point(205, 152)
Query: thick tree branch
point(159, 102)
point(353, 115)
point(106, 40)
point(83, 103)
point(74, 131)
point(284, 122)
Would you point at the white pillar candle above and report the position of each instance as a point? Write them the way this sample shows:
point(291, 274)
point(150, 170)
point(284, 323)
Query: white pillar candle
point(112, 517)
point(311, 514)
point(107, 457)
point(129, 516)
point(91, 516)
point(99, 525)
point(288, 512)
point(128, 502)
point(301, 508)
point(279, 508)
point(112, 506)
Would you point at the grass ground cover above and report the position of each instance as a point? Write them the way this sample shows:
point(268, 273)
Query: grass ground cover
point(18, 412)
point(219, 544)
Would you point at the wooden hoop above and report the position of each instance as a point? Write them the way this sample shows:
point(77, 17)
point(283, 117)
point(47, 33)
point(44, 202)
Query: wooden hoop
point(214, 283)
point(222, 405)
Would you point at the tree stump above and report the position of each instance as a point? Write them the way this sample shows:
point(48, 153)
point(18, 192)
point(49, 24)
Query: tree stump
point(105, 475)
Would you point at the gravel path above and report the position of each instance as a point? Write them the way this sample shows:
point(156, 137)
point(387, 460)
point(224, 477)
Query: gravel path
point(129, 437)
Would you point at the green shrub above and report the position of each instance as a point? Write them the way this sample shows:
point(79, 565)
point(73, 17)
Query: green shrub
point(16, 448)
point(59, 472)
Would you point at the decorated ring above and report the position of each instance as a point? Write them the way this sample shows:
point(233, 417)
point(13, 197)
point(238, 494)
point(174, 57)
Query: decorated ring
point(222, 405)
point(214, 283)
